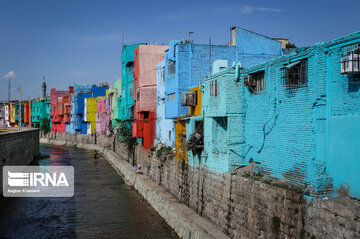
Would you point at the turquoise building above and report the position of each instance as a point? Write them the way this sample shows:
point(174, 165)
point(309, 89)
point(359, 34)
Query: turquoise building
point(126, 109)
point(40, 109)
point(297, 117)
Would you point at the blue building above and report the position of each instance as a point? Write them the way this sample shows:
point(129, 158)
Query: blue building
point(296, 116)
point(77, 123)
point(165, 132)
point(187, 64)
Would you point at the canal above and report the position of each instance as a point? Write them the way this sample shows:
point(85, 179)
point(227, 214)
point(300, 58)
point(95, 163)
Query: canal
point(103, 205)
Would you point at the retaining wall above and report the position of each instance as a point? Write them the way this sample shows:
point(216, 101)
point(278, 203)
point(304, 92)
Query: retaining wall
point(239, 207)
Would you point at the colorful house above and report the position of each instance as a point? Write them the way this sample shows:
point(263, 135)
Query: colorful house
point(116, 103)
point(2, 114)
point(187, 64)
point(60, 109)
point(102, 122)
point(145, 61)
point(90, 109)
point(165, 130)
point(287, 115)
point(19, 114)
point(110, 101)
point(12, 113)
point(77, 123)
point(40, 110)
point(7, 114)
point(27, 114)
point(126, 114)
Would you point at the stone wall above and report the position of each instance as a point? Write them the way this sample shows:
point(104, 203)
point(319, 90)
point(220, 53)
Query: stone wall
point(241, 207)
point(19, 147)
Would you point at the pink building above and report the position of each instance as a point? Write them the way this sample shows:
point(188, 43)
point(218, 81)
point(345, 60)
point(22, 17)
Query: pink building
point(102, 122)
point(145, 61)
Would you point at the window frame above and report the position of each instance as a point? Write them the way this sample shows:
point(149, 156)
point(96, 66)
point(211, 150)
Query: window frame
point(295, 75)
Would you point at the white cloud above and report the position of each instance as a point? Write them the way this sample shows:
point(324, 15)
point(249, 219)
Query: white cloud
point(248, 9)
point(78, 73)
point(9, 75)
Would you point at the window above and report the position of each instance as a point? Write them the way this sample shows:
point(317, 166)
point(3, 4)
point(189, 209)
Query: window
point(130, 67)
point(256, 82)
point(171, 97)
point(123, 92)
point(171, 68)
point(170, 136)
point(163, 74)
point(131, 91)
point(295, 75)
point(138, 95)
point(214, 88)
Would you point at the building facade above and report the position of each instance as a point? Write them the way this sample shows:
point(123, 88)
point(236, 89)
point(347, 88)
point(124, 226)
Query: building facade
point(60, 109)
point(286, 116)
point(145, 61)
point(165, 130)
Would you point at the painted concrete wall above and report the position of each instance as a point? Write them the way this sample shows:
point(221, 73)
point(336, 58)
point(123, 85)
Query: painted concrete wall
point(165, 131)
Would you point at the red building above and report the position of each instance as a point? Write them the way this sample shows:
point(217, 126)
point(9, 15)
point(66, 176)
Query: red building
point(145, 61)
point(60, 109)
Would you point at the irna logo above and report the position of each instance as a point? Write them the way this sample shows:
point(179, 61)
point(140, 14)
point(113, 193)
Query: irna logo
point(37, 179)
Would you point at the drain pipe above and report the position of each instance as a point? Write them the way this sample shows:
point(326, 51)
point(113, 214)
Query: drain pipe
point(238, 66)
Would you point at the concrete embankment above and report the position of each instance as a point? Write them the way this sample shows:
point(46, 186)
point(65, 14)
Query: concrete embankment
point(185, 221)
point(18, 147)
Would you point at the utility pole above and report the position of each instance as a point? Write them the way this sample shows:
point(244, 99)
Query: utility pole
point(19, 107)
point(30, 113)
point(9, 88)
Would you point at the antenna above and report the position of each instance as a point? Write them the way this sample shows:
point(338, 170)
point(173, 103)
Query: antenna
point(210, 54)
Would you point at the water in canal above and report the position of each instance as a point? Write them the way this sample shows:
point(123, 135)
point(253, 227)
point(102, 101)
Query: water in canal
point(103, 205)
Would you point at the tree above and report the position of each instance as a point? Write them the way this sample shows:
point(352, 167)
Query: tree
point(45, 125)
point(290, 45)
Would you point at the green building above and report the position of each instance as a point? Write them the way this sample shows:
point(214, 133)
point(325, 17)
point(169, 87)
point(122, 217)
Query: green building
point(40, 110)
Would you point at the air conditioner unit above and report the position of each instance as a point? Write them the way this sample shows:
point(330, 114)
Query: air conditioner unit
point(350, 63)
point(249, 81)
point(189, 99)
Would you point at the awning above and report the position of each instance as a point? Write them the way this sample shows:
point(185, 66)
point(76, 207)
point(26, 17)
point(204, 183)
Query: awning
point(292, 64)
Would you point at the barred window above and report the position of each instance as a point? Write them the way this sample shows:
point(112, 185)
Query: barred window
point(171, 68)
point(214, 88)
point(295, 75)
point(255, 82)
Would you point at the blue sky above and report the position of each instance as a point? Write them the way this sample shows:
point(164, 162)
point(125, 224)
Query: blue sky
point(79, 41)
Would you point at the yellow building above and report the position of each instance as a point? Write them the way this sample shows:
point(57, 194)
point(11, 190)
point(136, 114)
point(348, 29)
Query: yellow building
point(90, 109)
point(12, 113)
point(193, 99)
